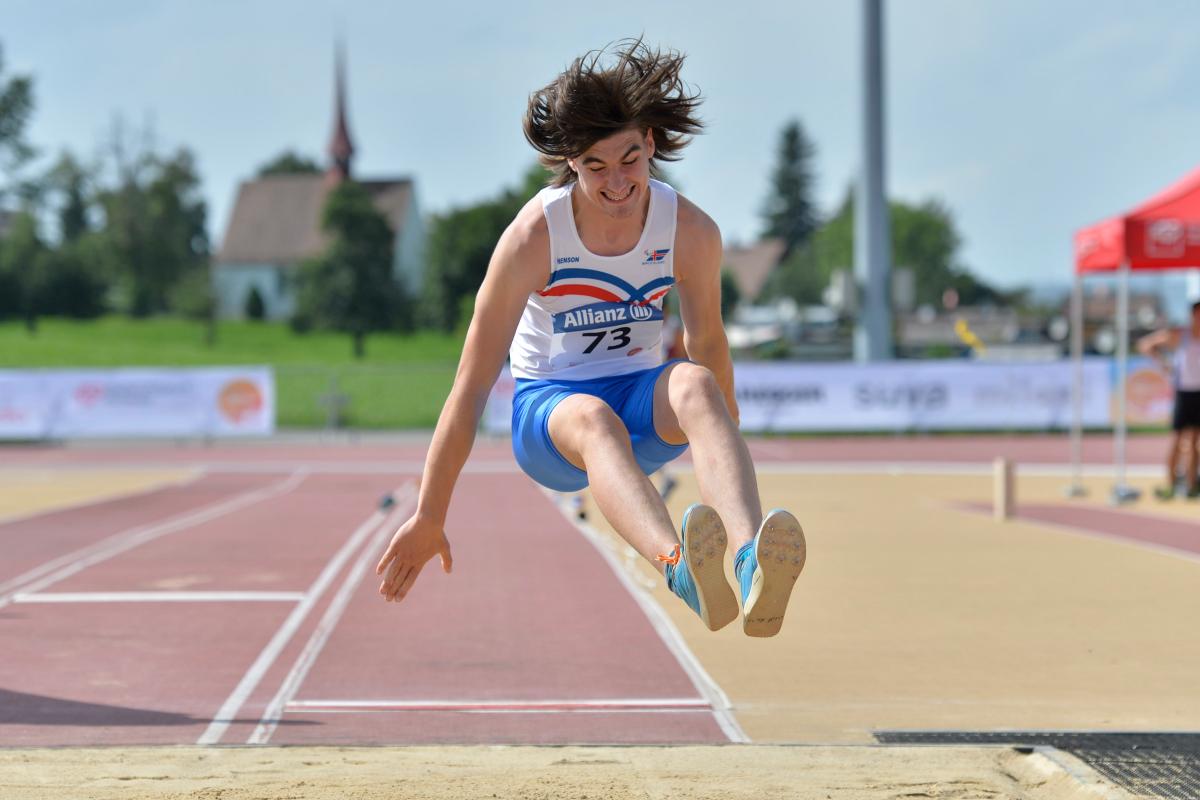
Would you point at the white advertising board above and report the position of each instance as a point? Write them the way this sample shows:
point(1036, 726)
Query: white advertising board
point(896, 396)
point(210, 401)
point(917, 396)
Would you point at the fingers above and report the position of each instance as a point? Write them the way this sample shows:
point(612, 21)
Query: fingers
point(391, 578)
point(396, 590)
point(407, 583)
point(388, 555)
point(399, 567)
point(392, 582)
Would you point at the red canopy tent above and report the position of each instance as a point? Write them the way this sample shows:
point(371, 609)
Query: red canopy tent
point(1161, 233)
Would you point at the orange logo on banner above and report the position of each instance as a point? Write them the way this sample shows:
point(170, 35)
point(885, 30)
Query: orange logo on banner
point(239, 398)
point(1148, 397)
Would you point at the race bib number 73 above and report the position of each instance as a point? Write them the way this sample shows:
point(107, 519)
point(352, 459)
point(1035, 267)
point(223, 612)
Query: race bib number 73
point(604, 330)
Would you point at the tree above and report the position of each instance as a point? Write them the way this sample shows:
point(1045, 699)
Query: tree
point(351, 287)
point(70, 182)
point(289, 163)
point(800, 276)
point(22, 268)
point(789, 212)
point(16, 107)
point(193, 297)
point(924, 239)
point(69, 285)
point(460, 246)
point(154, 224)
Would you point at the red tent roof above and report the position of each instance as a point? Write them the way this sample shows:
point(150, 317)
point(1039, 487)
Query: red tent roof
point(1161, 233)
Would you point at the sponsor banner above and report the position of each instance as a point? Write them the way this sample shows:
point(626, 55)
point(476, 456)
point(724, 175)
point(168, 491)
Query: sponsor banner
point(897, 396)
point(917, 395)
point(217, 401)
point(24, 410)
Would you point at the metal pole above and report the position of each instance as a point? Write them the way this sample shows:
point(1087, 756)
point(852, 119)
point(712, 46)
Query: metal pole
point(1076, 488)
point(872, 240)
point(1121, 492)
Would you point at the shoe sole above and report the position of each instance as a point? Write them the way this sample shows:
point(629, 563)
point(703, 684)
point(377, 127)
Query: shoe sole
point(704, 544)
point(781, 551)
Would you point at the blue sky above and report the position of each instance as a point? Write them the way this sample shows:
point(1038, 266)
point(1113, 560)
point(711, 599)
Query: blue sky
point(1027, 119)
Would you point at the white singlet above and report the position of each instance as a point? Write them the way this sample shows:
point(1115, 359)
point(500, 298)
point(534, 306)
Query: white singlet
point(1187, 363)
point(598, 316)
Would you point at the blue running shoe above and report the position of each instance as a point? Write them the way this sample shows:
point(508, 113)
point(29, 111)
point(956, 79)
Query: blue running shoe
point(697, 573)
point(767, 567)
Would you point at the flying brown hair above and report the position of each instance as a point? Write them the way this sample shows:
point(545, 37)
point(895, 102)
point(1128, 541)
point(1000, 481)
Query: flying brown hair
point(590, 101)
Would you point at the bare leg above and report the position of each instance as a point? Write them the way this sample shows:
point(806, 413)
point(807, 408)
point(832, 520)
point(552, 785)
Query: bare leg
point(689, 407)
point(588, 433)
point(1193, 457)
point(1173, 458)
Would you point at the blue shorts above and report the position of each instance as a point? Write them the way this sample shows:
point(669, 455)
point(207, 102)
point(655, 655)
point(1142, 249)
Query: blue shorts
point(630, 396)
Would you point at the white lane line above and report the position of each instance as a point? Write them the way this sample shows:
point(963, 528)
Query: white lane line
point(159, 597)
point(193, 476)
point(713, 695)
point(505, 706)
point(316, 642)
point(65, 566)
point(229, 709)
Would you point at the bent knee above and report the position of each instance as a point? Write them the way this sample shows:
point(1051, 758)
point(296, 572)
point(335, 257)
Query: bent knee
point(694, 389)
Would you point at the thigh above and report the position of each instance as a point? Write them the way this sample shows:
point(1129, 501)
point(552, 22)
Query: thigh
point(536, 452)
point(579, 416)
point(655, 441)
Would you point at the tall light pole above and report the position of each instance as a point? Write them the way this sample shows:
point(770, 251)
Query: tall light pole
point(872, 231)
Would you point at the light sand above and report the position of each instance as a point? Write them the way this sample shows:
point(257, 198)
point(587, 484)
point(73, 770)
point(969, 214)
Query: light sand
point(913, 615)
point(742, 772)
point(26, 492)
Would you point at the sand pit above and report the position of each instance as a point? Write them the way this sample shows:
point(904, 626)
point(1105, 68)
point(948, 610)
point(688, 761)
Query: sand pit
point(543, 773)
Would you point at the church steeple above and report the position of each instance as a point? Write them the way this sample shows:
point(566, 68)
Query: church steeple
point(341, 148)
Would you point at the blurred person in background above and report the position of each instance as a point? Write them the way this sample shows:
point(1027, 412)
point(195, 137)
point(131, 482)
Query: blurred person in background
point(1177, 350)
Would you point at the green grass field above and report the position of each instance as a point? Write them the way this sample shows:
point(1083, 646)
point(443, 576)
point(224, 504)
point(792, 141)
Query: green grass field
point(401, 383)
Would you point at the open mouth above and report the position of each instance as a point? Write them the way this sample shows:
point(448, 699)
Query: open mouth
point(617, 198)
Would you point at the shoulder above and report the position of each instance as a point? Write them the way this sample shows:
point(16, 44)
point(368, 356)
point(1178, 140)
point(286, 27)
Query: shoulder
point(524, 246)
point(528, 231)
point(697, 237)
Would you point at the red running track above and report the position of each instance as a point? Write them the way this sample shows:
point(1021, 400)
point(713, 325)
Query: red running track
point(492, 455)
point(532, 616)
point(1169, 534)
point(532, 639)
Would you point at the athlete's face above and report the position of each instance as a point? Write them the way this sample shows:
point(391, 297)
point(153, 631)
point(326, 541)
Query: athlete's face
point(614, 173)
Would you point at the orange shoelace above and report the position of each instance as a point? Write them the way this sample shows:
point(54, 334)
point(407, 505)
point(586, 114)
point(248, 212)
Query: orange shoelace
point(672, 558)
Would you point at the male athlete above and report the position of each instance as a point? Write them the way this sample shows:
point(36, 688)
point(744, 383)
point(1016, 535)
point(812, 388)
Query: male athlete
point(574, 295)
point(1185, 421)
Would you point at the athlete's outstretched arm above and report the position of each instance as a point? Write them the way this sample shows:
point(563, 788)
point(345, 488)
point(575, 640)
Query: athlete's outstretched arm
point(519, 265)
point(1167, 338)
point(698, 281)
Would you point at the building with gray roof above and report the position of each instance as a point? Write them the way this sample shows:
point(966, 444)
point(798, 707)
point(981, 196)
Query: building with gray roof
point(276, 225)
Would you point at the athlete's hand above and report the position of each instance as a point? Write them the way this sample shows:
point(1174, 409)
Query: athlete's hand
point(414, 544)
